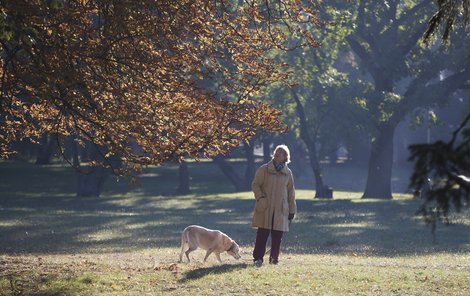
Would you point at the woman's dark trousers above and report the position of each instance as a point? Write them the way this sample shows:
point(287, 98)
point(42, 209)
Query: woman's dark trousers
point(260, 245)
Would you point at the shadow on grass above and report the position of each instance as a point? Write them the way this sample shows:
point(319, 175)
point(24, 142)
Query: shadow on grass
point(202, 272)
point(58, 225)
point(50, 220)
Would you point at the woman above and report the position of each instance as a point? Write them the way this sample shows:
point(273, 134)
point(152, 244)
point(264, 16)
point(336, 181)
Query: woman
point(273, 187)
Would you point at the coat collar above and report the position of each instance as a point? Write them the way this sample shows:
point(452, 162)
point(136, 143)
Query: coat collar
point(272, 169)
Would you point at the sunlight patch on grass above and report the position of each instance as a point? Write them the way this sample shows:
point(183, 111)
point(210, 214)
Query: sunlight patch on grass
point(239, 222)
point(352, 225)
point(43, 194)
point(149, 175)
point(135, 226)
point(21, 210)
point(369, 200)
point(220, 211)
point(349, 231)
point(304, 194)
point(402, 196)
point(350, 195)
point(102, 235)
point(103, 214)
point(13, 223)
point(347, 195)
point(223, 196)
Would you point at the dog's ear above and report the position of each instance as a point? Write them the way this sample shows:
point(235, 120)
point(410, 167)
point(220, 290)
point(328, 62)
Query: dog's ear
point(227, 241)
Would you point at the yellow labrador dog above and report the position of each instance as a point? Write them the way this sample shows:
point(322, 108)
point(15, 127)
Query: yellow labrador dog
point(213, 241)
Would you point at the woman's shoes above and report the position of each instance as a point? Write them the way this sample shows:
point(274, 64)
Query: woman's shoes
point(259, 262)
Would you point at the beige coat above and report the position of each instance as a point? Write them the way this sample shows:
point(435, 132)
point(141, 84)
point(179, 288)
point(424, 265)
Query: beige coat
point(275, 197)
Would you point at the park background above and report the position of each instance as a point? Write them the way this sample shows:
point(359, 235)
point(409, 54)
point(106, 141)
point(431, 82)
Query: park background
point(349, 113)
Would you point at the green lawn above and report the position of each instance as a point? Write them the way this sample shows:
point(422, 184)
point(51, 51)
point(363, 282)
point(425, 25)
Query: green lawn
point(127, 241)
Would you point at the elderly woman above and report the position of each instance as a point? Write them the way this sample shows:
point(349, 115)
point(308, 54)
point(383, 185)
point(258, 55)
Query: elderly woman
point(273, 187)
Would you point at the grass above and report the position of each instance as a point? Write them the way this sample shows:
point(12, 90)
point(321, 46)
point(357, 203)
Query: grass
point(127, 242)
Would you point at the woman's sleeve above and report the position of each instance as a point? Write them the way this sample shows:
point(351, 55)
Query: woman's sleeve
point(291, 195)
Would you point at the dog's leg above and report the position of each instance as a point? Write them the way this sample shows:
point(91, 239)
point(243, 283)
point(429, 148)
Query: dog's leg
point(218, 257)
point(182, 251)
point(183, 244)
point(207, 254)
point(191, 248)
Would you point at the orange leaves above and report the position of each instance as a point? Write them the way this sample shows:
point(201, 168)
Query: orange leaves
point(148, 80)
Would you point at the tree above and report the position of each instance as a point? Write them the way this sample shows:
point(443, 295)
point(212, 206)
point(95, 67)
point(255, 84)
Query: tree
point(318, 101)
point(241, 181)
point(128, 77)
point(183, 185)
point(445, 164)
point(404, 75)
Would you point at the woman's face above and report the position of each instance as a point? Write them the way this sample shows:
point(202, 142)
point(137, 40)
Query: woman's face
point(280, 156)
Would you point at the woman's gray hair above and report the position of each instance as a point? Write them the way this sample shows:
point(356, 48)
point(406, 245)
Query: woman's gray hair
point(286, 150)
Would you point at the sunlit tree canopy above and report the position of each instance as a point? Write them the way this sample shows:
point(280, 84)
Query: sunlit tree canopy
point(148, 80)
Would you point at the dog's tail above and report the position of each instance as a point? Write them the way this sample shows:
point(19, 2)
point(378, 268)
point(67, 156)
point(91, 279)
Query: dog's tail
point(184, 243)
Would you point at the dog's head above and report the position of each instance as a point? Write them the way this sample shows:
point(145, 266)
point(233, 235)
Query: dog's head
point(234, 250)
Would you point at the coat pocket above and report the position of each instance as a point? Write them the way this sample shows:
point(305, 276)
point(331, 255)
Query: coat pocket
point(261, 204)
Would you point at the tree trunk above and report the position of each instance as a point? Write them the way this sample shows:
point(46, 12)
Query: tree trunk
point(46, 150)
point(75, 159)
point(266, 149)
point(321, 190)
point(183, 188)
point(231, 174)
point(71, 151)
point(380, 164)
point(91, 184)
point(250, 169)
point(319, 186)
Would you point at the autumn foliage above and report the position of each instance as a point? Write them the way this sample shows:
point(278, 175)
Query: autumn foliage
point(147, 80)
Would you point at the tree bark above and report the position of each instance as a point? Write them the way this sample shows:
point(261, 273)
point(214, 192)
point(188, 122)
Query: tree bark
point(321, 191)
point(71, 152)
point(250, 169)
point(75, 158)
point(90, 184)
point(380, 164)
point(183, 187)
point(320, 188)
point(266, 149)
point(231, 174)
point(46, 150)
